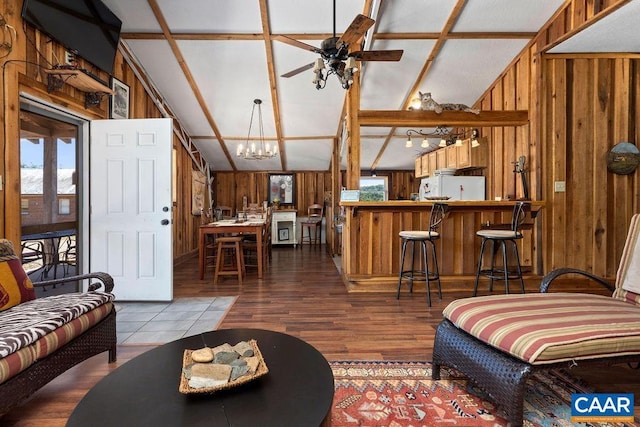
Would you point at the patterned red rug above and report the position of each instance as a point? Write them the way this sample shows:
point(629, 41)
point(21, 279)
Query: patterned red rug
point(402, 394)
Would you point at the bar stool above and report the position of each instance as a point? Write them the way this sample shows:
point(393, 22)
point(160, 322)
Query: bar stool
point(315, 212)
point(501, 238)
point(438, 212)
point(234, 245)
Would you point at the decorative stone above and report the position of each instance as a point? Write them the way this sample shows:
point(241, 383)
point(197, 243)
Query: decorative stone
point(222, 347)
point(225, 357)
point(202, 355)
point(253, 363)
point(238, 371)
point(244, 349)
point(209, 375)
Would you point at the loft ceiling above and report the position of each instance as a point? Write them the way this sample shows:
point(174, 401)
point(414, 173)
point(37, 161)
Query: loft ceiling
point(211, 58)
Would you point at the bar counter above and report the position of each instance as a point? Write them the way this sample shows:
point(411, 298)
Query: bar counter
point(371, 246)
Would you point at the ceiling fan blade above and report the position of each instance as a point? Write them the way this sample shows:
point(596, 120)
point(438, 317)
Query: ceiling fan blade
point(356, 30)
point(378, 55)
point(298, 70)
point(297, 43)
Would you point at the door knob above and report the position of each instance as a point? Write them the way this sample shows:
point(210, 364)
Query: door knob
point(164, 222)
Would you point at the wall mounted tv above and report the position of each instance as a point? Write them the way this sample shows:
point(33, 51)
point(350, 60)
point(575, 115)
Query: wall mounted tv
point(86, 27)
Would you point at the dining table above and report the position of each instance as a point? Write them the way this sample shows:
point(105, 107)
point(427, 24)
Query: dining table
point(255, 225)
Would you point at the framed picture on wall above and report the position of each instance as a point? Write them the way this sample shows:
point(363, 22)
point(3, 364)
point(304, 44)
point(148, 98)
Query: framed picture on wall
point(282, 187)
point(119, 105)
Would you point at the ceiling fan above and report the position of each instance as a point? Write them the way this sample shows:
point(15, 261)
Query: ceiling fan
point(334, 52)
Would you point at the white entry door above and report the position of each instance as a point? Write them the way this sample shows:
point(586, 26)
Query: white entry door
point(130, 199)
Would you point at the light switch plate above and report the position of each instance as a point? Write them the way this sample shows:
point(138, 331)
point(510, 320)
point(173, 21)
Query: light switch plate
point(560, 186)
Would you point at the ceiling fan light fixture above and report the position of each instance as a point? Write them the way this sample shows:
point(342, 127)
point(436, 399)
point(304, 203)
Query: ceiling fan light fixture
point(351, 64)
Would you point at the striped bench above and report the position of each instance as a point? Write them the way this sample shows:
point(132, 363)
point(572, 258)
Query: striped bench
point(498, 341)
point(42, 338)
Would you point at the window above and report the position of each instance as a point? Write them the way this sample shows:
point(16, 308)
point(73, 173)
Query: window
point(24, 206)
point(64, 206)
point(374, 189)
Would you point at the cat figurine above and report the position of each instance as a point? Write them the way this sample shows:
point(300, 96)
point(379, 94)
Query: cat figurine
point(428, 104)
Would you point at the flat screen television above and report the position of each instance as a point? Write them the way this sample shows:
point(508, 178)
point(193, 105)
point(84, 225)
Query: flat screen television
point(86, 27)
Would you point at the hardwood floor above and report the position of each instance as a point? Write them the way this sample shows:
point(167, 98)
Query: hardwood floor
point(301, 294)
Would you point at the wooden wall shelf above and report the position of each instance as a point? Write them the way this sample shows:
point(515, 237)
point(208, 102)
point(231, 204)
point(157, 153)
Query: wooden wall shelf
point(79, 80)
point(400, 118)
point(93, 89)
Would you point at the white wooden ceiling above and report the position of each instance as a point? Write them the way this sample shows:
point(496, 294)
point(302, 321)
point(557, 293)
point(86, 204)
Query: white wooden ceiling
point(220, 62)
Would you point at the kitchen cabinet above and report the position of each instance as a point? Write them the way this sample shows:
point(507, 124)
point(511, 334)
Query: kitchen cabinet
point(433, 162)
point(426, 170)
point(441, 159)
point(465, 157)
point(475, 157)
point(452, 156)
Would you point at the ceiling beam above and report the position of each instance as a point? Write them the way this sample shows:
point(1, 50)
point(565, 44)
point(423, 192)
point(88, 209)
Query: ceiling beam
point(322, 36)
point(442, 36)
point(273, 81)
point(187, 73)
point(401, 118)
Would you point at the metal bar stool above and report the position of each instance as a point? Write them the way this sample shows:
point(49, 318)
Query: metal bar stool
point(233, 244)
point(438, 211)
point(501, 238)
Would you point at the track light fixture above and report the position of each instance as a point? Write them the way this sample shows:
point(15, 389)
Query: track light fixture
point(447, 137)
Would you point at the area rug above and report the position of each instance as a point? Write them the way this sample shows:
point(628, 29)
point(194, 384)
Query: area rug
point(402, 394)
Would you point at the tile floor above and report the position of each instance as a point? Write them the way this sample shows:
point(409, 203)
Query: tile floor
point(158, 323)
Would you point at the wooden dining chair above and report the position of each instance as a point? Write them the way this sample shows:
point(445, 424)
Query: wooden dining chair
point(250, 245)
point(315, 212)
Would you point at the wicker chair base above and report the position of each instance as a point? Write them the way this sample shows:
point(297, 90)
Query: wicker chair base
point(101, 337)
point(500, 375)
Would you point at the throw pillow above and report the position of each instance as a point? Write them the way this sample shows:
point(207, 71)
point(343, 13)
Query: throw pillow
point(15, 285)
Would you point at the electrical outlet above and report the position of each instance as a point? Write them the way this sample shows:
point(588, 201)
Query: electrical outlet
point(560, 186)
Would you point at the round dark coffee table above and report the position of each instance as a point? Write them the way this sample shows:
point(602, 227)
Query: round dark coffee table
point(297, 391)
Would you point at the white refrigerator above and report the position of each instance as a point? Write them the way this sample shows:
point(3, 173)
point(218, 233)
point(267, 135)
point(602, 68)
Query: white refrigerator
point(454, 187)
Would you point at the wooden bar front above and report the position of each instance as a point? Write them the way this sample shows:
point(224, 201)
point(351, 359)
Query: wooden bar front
point(371, 246)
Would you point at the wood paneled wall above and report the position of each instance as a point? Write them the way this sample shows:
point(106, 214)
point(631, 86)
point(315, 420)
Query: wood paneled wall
point(580, 107)
point(311, 187)
point(23, 72)
point(593, 105)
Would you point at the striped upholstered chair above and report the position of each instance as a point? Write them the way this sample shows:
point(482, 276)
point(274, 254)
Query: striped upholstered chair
point(498, 341)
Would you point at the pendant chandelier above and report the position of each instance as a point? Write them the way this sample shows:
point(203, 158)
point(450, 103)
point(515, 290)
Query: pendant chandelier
point(257, 150)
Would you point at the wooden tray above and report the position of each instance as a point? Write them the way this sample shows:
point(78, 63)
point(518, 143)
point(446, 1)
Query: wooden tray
point(184, 387)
